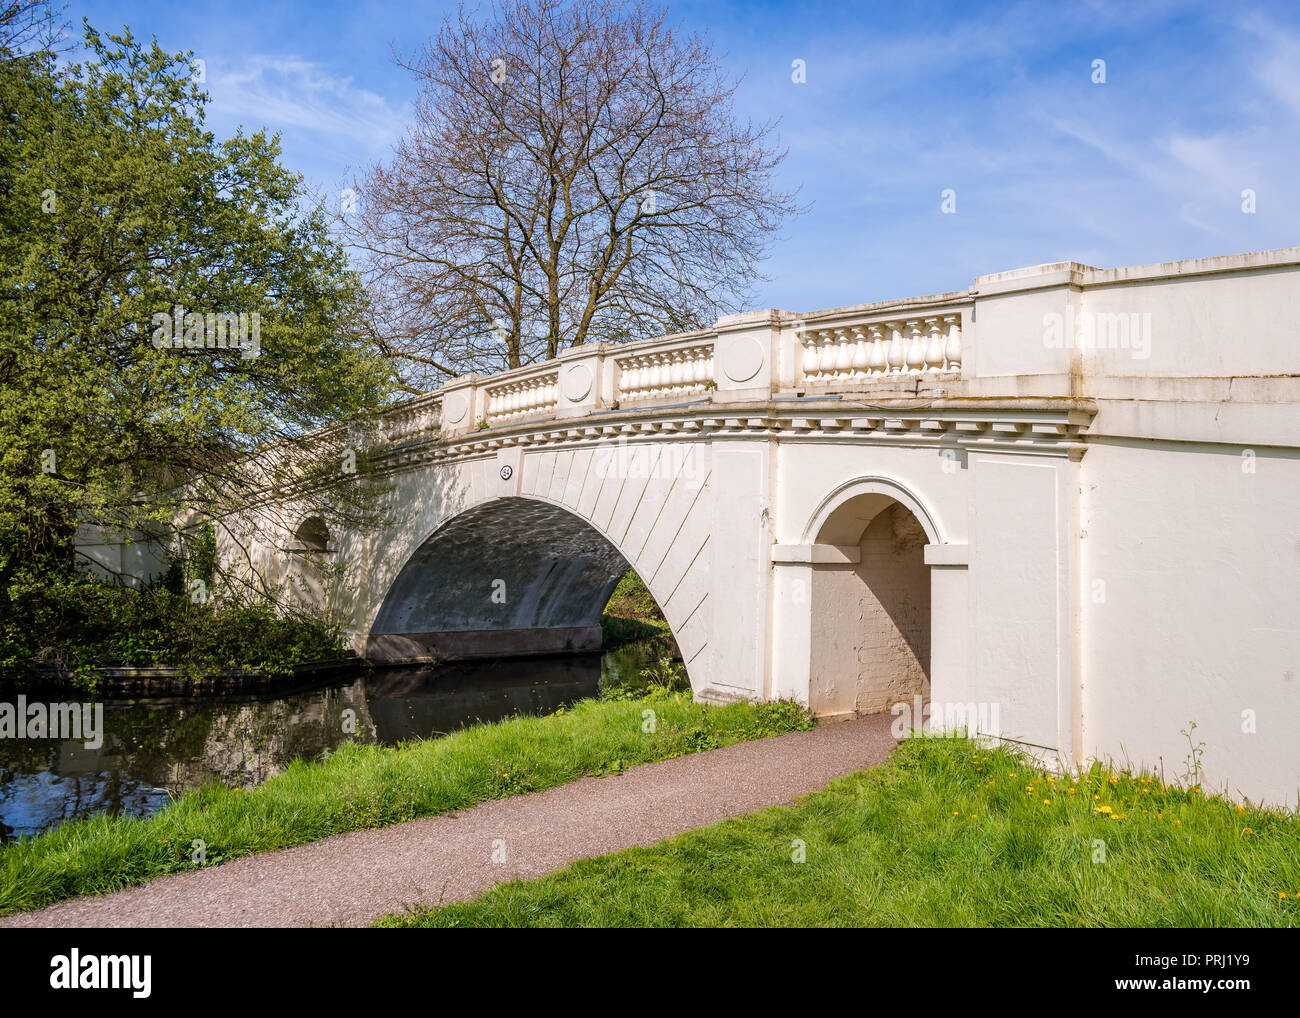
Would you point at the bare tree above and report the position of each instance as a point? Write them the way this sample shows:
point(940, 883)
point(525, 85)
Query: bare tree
point(574, 172)
point(26, 25)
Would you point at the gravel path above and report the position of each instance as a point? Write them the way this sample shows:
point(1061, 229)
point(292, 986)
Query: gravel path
point(353, 879)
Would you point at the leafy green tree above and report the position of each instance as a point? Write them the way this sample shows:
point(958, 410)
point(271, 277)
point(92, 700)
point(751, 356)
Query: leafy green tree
point(125, 227)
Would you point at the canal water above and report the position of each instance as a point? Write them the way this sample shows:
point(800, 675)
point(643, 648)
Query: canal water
point(155, 749)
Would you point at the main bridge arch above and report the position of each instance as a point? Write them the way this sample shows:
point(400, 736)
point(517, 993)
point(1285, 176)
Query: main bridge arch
point(508, 576)
point(523, 560)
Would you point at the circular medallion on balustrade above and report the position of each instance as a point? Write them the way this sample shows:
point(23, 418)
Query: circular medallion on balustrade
point(577, 383)
point(742, 358)
point(455, 407)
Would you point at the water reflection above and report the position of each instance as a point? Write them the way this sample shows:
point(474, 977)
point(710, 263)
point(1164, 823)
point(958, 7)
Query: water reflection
point(157, 748)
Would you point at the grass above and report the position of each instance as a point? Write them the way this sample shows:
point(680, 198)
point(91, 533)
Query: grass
point(363, 786)
point(631, 613)
point(947, 833)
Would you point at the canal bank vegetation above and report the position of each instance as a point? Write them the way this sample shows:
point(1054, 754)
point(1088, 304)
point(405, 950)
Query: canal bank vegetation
point(363, 786)
point(946, 833)
point(78, 624)
point(632, 615)
point(74, 624)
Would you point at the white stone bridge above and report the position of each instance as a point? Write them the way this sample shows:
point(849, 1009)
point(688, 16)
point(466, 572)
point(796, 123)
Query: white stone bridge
point(1067, 498)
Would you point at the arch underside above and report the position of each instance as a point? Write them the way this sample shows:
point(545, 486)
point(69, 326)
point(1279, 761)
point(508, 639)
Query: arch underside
point(509, 576)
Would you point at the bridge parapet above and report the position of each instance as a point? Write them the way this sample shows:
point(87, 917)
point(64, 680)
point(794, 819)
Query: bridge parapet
point(863, 352)
point(665, 370)
point(415, 418)
point(527, 392)
point(743, 358)
point(1151, 332)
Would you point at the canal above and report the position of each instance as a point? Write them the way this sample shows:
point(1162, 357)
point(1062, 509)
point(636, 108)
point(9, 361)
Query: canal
point(155, 749)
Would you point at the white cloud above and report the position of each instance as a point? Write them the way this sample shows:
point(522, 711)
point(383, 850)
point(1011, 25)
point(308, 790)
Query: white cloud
point(326, 122)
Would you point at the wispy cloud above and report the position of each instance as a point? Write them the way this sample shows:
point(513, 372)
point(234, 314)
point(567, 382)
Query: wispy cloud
point(325, 119)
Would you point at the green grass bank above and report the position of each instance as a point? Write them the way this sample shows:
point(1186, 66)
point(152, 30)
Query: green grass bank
point(364, 786)
point(945, 834)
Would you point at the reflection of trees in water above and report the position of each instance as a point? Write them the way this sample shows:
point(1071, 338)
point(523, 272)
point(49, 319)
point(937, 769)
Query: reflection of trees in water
point(30, 803)
point(244, 743)
point(155, 747)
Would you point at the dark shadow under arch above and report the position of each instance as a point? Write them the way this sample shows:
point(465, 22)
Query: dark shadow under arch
point(510, 576)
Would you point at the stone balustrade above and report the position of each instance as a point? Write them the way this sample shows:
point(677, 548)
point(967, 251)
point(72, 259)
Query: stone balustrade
point(412, 419)
point(745, 357)
point(664, 374)
point(534, 394)
point(861, 353)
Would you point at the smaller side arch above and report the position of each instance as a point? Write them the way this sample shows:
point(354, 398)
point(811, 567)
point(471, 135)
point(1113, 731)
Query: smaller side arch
point(848, 510)
point(870, 624)
point(312, 535)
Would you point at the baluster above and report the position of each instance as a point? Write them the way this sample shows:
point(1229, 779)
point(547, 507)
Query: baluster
point(826, 362)
point(843, 355)
point(897, 353)
point(915, 349)
point(859, 364)
point(952, 349)
point(876, 360)
point(809, 357)
point(934, 349)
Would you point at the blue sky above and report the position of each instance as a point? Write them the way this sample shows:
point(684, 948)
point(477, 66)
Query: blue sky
point(902, 101)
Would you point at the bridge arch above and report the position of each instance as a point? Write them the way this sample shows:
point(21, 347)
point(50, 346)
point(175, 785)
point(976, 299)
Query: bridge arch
point(307, 555)
point(834, 518)
point(871, 598)
point(510, 575)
